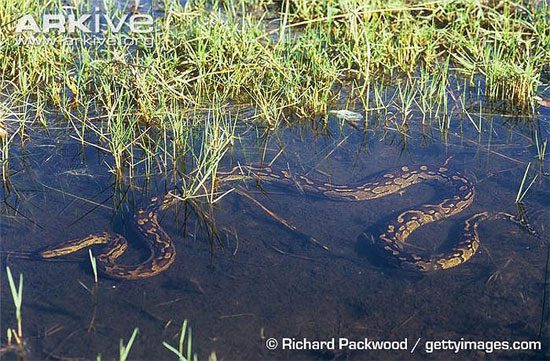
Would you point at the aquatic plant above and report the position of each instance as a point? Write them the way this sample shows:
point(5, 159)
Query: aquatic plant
point(541, 148)
point(522, 191)
point(124, 350)
point(141, 103)
point(93, 262)
point(17, 298)
point(184, 352)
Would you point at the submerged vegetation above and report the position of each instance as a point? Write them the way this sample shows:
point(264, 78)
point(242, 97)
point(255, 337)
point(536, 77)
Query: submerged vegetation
point(208, 65)
point(170, 103)
point(16, 341)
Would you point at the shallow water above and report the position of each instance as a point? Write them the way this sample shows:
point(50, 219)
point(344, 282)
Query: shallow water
point(262, 281)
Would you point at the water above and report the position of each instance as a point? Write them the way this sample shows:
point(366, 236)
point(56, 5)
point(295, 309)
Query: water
point(262, 281)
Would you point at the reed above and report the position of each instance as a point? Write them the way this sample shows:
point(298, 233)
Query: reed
point(17, 298)
point(199, 51)
point(522, 191)
point(93, 262)
point(124, 350)
point(184, 350)
point(541, 148)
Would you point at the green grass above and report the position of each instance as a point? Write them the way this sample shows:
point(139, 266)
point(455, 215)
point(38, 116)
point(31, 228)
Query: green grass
point(184, 351)
point(541, 148)
point(522, 191)
point(17, 298)
point(124, 350)
point(93, 262)
point(174, 108)
point(154, 109)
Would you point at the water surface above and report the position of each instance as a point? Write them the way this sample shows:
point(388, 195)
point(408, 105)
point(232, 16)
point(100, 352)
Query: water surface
point(260, 280)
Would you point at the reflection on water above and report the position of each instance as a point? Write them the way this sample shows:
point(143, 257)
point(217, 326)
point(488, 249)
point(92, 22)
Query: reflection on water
point(259, 280)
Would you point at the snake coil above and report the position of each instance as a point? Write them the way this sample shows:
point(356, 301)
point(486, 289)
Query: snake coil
point(391, 241)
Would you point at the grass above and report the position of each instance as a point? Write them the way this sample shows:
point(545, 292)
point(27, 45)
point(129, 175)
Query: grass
point(93, 262)
point(541, 148)
point(184, 352)
point(7, 113)
point(149, 107)
point(173, 109)
point(522, 191)
point(17, 297)
point(124, 350)
point(16, 334)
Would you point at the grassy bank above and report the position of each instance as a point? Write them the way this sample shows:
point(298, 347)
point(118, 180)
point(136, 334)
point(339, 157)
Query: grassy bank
point(277, 62)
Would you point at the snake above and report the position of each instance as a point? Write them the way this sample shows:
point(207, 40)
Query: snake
point(391, 242)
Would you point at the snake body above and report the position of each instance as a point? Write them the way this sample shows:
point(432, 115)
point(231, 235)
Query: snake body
point(391, 241)
point(161, 245)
